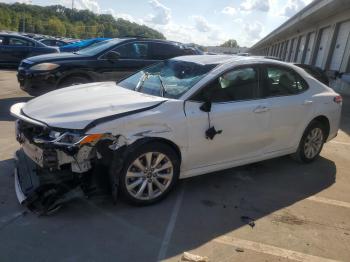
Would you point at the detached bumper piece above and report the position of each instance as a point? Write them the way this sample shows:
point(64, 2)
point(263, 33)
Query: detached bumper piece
point(41, 190)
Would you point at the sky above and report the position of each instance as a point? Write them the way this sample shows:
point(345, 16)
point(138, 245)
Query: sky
point(205, 22)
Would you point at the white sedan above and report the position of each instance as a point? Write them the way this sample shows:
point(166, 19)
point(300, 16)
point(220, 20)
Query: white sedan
point(182, 117)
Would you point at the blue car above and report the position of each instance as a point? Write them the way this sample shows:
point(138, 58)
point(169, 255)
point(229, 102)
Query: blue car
point(81, 44)
point(15, 48)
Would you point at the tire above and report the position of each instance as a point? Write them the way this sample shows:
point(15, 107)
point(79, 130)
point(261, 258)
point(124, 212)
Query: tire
point(311, 143)
point(139, 182)
point(73, 80)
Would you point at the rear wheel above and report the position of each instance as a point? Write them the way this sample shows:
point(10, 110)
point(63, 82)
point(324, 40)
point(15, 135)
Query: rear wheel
point(73, 80)
point(311, 143)
point(149, 173)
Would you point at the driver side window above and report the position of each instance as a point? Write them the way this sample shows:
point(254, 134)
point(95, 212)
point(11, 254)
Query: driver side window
point(235, 85)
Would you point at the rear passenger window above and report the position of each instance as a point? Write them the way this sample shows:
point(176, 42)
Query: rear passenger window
point(281, 82)
point(19, 42)
point(162, 51)
point(236, 85)
point(133, 51)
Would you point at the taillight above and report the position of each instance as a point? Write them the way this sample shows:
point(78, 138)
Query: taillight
point(338, 99)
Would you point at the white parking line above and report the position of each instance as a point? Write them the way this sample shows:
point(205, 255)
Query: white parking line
point(329, 201)
point(270, 250)
point(171, 225)
point(341, 143)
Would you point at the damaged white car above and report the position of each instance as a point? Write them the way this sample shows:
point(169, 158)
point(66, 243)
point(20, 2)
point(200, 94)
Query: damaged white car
point(179, 118)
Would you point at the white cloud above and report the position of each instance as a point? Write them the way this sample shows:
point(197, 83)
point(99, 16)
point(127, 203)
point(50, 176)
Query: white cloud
point(124, 16)
point(252, 32)
point(293, 6)
point(162, 14)
point(201, 24)
point(258, 5)
point(229, 10)
point(28, 2)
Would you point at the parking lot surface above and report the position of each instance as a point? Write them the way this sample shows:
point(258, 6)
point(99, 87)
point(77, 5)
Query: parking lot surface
point(276, 210)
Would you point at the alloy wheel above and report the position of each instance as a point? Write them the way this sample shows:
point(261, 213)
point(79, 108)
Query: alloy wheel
point(149, 175)
point(313, 143)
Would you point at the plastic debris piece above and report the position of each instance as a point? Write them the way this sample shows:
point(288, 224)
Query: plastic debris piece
point(193, 258)
point(248, 220)
point(238, 249)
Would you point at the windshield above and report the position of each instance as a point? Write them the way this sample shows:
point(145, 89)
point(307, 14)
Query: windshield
point(171, 78)
point(99, 47)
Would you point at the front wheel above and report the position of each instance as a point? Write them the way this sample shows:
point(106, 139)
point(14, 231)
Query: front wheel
point(149, 173)
point(311, 143)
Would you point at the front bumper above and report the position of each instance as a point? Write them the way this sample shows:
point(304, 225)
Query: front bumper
point(29, 79)
point(43, 191)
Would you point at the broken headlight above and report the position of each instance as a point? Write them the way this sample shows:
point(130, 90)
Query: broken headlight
point(73, 139)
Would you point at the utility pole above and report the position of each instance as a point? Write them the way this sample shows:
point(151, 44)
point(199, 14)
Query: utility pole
point(72, 4)
point(24, 18)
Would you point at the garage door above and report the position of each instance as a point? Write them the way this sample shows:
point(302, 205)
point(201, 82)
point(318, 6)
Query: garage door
point(288, 50)
point(321, 53)
point(301, 48)
point(309, 48)
point(342, 40)
point(293, 50)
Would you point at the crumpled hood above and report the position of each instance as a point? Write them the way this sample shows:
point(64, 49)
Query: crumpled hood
point(78, 106)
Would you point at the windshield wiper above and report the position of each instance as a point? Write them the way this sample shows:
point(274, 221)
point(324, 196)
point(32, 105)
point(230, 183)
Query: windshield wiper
point(145, 77)
point(141, 82)
point(162, 86)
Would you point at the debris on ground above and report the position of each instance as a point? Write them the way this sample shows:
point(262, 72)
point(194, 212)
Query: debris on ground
point(238, 249)
point(193, 258)
point(248, 220)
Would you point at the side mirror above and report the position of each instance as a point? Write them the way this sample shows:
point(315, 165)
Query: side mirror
point(112, 56)
point(206, 107)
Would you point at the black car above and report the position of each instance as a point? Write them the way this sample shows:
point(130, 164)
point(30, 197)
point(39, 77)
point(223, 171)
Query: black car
point(53, 42)
point(316, 72)
point(110, 60)
point(14, 48)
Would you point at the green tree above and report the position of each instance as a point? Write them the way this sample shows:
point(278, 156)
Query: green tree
point(230, 43)
point(55, 27)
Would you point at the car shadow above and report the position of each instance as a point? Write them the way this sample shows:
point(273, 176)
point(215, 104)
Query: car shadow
point(5, 105)
point(212, 205)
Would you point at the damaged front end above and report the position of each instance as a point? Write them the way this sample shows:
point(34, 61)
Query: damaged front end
point(52, 165)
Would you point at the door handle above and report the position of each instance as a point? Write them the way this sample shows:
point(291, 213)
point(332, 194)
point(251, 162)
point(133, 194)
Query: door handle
point(307, 102)
point(261, 109)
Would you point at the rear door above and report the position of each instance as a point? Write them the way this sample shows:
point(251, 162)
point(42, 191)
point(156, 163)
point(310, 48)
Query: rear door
point(241, 118)
point(133, 57)
point(18, 48)
point(284, 91)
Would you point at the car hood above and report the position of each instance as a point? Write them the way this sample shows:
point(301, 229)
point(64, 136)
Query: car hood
point(80, 107)
point(56, 57)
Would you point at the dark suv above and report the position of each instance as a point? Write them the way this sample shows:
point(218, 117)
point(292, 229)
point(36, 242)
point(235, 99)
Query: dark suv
point(110, 60)
point(14, 48)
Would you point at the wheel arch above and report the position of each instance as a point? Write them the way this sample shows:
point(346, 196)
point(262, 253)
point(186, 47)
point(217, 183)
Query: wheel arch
point(148, 140)
point(77, 73)
point(325, 122)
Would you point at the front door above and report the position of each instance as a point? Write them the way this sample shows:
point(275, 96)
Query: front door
point(241, 119)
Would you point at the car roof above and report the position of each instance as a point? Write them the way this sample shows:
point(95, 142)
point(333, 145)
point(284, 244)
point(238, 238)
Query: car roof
point(225, 59)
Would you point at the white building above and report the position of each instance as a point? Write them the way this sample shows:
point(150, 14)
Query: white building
point(226, 50)
point(318, 35)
